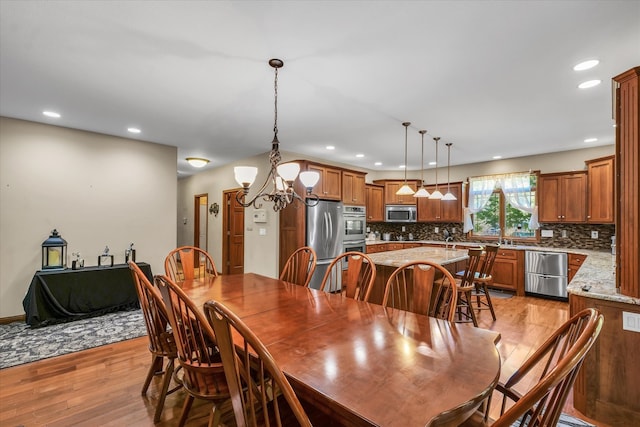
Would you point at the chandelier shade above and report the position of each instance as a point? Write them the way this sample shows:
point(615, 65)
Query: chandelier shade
point(278, 188)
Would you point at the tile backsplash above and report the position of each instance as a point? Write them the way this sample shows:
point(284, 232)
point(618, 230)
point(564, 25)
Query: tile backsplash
point(578, 236)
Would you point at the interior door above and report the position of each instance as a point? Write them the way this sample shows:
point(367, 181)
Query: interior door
point(233, 234)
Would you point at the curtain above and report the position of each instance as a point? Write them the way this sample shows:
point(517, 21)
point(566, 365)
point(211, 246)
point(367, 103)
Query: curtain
point(516, 188)
point(480, 190)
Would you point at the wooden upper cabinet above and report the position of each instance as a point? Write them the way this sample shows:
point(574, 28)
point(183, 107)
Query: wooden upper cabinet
point(329, 186)
point(430, 210)
point(353, 188)
point(374, 196)
point(562, 197)
point(390, 196)
point(601, 190)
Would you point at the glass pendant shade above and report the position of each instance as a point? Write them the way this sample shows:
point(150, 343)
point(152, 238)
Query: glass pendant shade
point(405, 190)
point(449, 196)
point(422, 192)
point(436, 195)
point(288, 171)
point(309, 179)
point(245, 175)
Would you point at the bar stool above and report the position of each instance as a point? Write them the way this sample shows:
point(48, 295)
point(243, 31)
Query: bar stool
point(483, 278)
point(464, 306)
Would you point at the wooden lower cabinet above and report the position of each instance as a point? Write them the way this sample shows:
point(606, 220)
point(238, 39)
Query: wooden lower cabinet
point(606, 388)
point(508, 271)
point(575, 261)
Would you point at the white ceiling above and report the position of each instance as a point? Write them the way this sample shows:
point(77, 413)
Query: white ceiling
point(492, 77)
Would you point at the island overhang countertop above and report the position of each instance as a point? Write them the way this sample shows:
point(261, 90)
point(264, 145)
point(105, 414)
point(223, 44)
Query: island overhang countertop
point(400, 257)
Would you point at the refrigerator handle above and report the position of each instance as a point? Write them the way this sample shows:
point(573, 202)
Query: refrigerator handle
point(330, 226)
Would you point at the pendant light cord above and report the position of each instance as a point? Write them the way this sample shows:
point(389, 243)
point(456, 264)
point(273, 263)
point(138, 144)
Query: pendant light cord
point(436, 139)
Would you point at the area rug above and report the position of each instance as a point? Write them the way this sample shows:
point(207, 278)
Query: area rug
point(20, 344)
point(565, 421)
point(499, 294)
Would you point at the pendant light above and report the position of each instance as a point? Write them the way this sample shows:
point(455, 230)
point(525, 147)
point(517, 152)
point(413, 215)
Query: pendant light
point(436, 194)
point(449, 195)
point(422, 192)
point(405, 190)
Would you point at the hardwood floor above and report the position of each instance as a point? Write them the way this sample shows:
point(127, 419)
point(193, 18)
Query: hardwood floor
point(101, 386)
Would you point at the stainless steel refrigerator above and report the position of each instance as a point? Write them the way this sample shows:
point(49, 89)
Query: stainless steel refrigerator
point(324, 235)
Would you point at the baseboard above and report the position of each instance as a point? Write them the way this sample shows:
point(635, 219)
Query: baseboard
point(5, 320)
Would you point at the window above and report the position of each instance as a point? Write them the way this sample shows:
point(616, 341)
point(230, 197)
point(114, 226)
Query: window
point(503, 205)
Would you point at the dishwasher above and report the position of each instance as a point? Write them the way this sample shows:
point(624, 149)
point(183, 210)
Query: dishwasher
point(546, 274)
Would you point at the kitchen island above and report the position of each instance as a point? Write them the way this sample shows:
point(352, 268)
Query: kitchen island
point(453, 260)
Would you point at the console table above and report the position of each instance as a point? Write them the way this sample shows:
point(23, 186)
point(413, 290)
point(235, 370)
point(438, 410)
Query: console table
point(66, 295)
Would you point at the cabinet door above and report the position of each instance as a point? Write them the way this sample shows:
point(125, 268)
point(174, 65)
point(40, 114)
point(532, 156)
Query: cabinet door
point(451, 210)
point(353, 188)
point(428, 209)
point(390, 196)
point(574, 190)
point(505, 273)
point(549, 201)
point(329, 185)
point(601, 191)
point(375, 203)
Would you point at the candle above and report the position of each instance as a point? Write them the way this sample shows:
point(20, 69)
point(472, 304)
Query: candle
point(54, 257)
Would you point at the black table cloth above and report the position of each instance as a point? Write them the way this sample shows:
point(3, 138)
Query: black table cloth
point(66, 295)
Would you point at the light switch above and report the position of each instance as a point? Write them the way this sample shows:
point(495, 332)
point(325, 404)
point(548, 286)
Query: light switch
point(262, 231)
point(546, 233)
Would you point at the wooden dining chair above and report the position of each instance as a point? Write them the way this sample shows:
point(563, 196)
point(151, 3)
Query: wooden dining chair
point(162, 344)
point(203, 373)
point(483, 279)
point(260, 393)
point(464, 306)
point(189, 262)
point(300, 266)
point(352, 274)
point(557, 361)
point(422, 287)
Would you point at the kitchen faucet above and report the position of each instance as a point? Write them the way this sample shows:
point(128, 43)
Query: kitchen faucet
point(446, 242)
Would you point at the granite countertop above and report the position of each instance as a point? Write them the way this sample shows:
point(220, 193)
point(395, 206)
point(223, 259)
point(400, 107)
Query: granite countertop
point(597, 273)
point(402, 256)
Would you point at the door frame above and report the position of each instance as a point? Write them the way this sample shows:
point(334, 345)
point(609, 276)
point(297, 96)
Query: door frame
point(197, 200)
point(227, 196)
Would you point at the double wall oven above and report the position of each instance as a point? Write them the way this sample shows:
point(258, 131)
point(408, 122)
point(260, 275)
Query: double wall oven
point(354, 221)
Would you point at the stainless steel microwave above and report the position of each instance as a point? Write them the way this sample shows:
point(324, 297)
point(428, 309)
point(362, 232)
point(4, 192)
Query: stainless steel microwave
point(400, 213)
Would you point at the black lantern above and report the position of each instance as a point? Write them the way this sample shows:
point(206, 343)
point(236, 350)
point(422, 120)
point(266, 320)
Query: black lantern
point(54, 252)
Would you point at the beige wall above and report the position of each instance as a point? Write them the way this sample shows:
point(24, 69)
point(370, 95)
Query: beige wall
point(95, 189)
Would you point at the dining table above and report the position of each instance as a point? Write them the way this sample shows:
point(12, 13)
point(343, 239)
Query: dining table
point(360, 363)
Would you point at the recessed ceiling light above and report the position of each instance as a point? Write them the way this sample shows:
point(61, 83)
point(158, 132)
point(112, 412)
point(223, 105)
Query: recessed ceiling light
point(52, 114)
point(377, 164)
point(432, 163)
point(330, 147)
point(497, 157)
point(359, 155)
point(591, 140)
point(585, 65)
point(402, 166)
point(133, 130)
point(197, 162)
point(588, 84)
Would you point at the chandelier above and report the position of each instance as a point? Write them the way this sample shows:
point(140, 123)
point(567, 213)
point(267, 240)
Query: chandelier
point(278, 187)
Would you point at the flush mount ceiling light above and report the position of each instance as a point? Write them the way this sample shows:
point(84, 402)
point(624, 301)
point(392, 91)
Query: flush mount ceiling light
point(405, 190)
point(51, 114)
point(585, 65)
point(422, 192)
point(436, 195)
point(449, 195)
point(588, 84)
point(281, 177)
point(197, 162)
